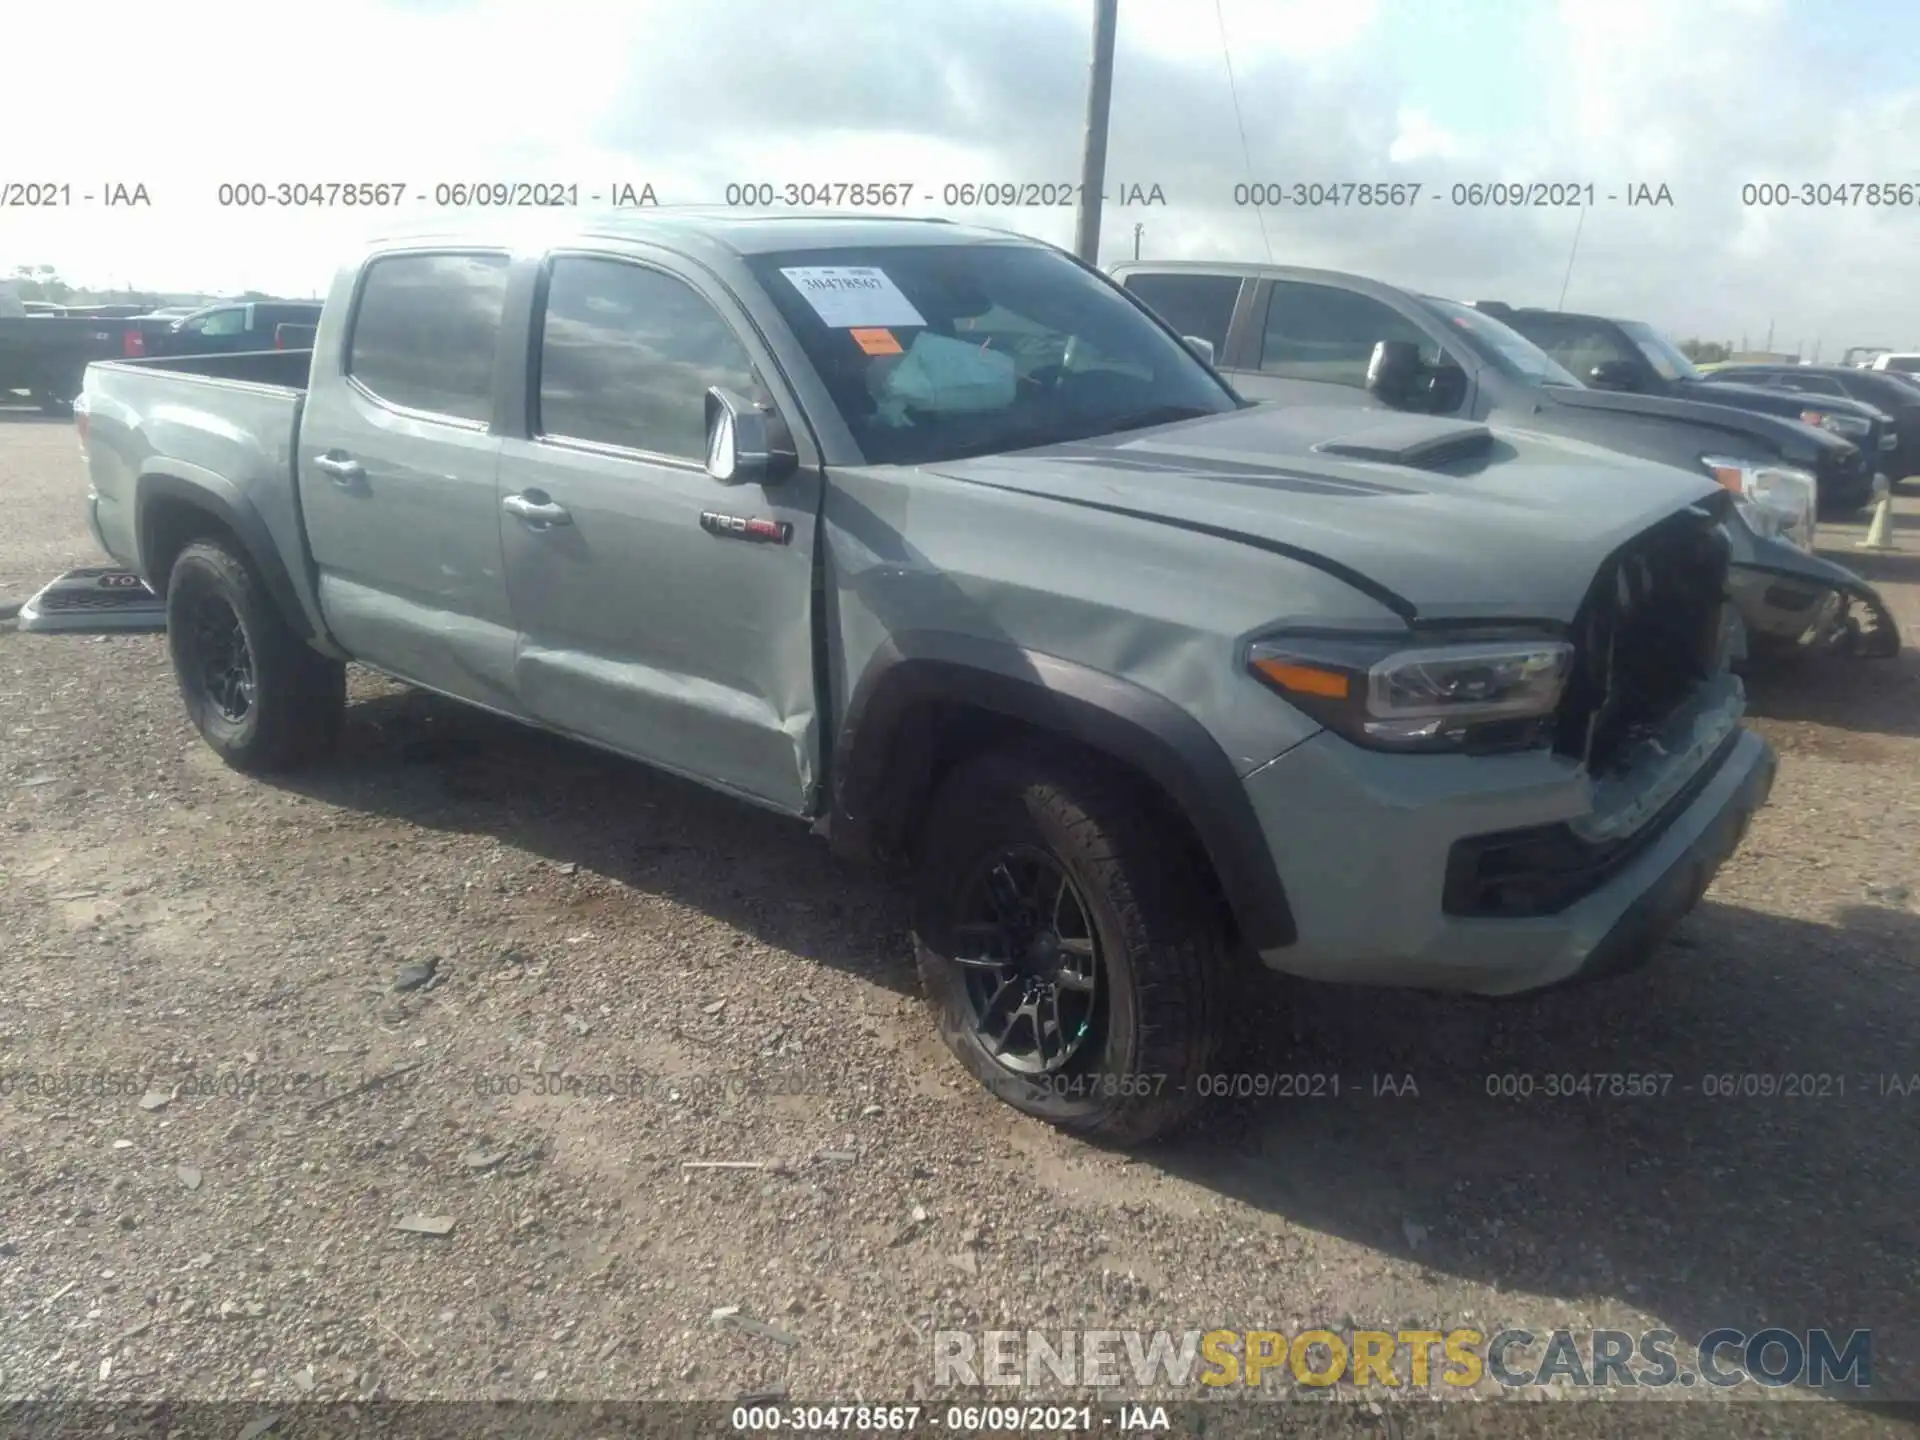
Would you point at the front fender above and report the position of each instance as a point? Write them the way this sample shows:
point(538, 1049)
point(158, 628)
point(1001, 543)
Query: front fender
point(880, 769)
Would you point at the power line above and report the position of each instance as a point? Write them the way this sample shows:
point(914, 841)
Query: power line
point(1246, 150)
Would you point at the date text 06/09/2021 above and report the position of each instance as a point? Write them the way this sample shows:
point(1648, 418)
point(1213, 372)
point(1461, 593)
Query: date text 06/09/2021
point(1462, 195)
point(783, 1417)
point(952, 194)
point(58, 194)
point(441, 194)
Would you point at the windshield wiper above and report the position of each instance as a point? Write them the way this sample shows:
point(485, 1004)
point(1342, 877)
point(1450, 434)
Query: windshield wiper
point(1158, 415)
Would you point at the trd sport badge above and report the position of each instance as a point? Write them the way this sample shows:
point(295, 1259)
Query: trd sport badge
point(741, 527)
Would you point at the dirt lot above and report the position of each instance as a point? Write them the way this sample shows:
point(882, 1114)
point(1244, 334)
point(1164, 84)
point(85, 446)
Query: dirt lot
point(216, 1215)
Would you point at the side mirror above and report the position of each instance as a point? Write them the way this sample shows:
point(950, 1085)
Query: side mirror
point(746, 445)
point(1614, 375)
point(1200, 347)
point(1394, 371)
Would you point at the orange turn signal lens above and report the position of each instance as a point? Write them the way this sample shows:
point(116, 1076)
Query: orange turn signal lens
point(1729, 478)
point(1304, 679)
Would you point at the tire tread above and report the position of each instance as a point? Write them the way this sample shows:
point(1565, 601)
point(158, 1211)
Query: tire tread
point(1153, 891)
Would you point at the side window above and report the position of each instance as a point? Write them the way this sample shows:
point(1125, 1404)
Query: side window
point(1199, 305)
point(1580, 345)
point(1315, 332)
point(627, 355)
point(425, 331)
point(1812, 384)
point(1887, 394)
point(215, 322)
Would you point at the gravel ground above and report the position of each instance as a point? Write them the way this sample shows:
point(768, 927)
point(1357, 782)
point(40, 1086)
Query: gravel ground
point(218, 1218)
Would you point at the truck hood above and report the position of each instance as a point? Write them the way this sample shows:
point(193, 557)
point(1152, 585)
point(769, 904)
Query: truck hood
point(1774, 402)
point(1772, 421)
point(1436, 519)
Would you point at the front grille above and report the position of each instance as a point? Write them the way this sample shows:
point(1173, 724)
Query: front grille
point(128, 599)
point(1648, 631)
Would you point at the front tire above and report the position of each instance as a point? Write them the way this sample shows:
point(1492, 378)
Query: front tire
point(1064, 937)
point(258, 694)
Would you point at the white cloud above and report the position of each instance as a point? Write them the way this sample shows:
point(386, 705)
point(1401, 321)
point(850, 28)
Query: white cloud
point(1188, 31)
point(1421, 139)
point(1701, 96)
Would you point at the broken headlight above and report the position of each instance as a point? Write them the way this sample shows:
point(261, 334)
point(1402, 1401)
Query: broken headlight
point(1778, 501)
point(1474, 695)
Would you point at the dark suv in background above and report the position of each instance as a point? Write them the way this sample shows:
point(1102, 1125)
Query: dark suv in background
point(1898, 395)
point(1319, 338)
point(231, 326)
point(1631, 356)
point(1304, 336)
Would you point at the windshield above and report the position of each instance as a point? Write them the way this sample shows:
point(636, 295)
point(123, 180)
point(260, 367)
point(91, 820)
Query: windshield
point(1506, 348)
point(1904, 364)
point(1667, 360)
point(932, 352)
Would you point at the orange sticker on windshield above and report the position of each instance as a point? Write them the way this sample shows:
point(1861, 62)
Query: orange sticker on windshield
point(876, 342)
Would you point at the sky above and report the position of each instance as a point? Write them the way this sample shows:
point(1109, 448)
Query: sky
point(1703, 97)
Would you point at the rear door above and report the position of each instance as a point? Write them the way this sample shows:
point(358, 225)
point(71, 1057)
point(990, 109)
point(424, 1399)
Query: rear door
point(652, 620)
point(396, 467)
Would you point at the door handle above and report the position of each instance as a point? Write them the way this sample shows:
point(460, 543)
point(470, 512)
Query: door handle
point(340, 470)
point(536, 510)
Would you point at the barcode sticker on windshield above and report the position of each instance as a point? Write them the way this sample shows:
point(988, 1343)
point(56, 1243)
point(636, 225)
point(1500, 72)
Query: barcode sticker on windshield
point(850, 296)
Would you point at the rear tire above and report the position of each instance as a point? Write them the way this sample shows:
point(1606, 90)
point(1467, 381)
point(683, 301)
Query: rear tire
point(1121, 966)
point(262, 697)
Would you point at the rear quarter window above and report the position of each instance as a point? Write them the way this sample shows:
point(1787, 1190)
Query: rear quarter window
point(425, 331)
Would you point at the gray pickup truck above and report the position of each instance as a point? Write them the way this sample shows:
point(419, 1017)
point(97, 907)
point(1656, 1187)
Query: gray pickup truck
point(937, 539)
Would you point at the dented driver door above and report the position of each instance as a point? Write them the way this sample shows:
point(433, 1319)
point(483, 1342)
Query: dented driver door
point(660, 613)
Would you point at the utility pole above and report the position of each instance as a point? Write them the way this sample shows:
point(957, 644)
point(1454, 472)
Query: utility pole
point(1579, 221)
point(1137, 228)
point(1093, 160)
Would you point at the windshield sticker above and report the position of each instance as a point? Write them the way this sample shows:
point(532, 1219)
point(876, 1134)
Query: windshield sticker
point(876, 342)
point(850, 296)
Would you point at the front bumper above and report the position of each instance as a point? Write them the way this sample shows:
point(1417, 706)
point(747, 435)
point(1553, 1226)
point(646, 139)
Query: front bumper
point(1846, 487)
point(1362, 842)
point(1792, 600)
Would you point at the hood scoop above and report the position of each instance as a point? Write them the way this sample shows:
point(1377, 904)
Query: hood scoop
point(1420, 442)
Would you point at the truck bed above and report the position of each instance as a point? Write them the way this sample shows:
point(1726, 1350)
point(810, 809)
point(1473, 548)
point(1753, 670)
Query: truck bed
point(224, 426)
point(282, 369)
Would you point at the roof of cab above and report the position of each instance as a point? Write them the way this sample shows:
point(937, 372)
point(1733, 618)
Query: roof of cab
point(677, 227)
